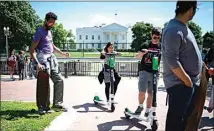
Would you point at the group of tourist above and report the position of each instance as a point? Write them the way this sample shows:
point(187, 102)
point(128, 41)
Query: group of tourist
point(182, 65)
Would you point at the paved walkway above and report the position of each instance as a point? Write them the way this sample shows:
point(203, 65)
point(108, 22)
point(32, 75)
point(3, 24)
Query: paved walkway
point(79, 92)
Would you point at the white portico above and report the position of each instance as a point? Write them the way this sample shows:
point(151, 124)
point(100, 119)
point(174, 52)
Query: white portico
point(98, 36)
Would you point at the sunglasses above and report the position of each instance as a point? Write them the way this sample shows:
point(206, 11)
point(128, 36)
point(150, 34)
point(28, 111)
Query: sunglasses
point(156, 38)
point(195, 9)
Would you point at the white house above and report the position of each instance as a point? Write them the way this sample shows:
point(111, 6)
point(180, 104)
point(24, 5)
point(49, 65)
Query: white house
point(98, 36)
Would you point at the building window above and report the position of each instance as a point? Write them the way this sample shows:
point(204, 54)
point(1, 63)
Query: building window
point(86, 37)
point(115, 38)
point(98, 37)
point(123, 37)
point(92, 45)
point(123, 45)
point(80, 37)
point(92, 37)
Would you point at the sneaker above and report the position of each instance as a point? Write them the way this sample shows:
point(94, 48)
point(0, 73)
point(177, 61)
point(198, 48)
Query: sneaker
point(209, 109)
point(59, 108)
point(146, 114)
point(49, 110)
point(138, 110)
point(41, 111)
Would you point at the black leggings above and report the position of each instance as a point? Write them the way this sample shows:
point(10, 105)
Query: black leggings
point(21, 73)
point(107, 90)
point(117, 81)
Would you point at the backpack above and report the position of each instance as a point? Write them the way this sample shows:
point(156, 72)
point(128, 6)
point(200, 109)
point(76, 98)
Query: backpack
point(21, 60)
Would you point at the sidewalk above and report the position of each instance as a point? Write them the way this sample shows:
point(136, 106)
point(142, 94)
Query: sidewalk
point(79, 92)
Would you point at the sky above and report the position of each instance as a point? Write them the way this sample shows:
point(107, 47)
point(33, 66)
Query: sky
point(88, 14)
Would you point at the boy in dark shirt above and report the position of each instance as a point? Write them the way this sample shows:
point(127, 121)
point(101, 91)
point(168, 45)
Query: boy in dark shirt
point(146, 73)
point(21, 64)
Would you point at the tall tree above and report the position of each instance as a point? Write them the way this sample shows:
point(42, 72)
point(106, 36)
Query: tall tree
point(59, 35)
point(208, 39)
point(21, 18)
point(196, 30)
point(70, 41)
point(141, 34)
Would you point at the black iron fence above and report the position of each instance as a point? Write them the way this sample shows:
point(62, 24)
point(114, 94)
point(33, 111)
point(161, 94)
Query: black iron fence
point(86, 68)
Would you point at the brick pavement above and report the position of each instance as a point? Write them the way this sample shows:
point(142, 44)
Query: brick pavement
point(79, 92)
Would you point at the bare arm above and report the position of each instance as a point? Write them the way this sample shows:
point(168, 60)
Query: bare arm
point(57, 50)
point(33, 52)
point(181, 74)
point(140, 54)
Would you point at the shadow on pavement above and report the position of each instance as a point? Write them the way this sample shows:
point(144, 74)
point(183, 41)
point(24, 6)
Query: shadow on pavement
point(16, 79)
point(207, 122)
point(123, 122)
point(86, 106)
point(16, 114)
point(7, 80)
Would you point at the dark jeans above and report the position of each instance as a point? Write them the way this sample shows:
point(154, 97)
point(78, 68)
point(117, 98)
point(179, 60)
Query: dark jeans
point(181, 104)
point(21, 72)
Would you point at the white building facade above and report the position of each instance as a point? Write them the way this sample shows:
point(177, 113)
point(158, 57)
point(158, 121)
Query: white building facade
point(97, 37)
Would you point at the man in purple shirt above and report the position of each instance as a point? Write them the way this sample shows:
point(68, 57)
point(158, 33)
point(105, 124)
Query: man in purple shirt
point(41, 50)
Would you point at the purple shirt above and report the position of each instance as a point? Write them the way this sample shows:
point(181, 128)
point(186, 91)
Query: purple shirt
point(45, 40)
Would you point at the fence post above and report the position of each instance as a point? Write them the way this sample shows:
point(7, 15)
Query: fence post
point(75, 71)
point(66, 69)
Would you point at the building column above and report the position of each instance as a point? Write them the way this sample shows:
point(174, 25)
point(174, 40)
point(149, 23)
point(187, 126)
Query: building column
point(103, 34)
point(110, 36)
point(126, 40)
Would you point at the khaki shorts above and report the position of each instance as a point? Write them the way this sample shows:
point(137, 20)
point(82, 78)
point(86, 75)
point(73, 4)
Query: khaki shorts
point(145, 82)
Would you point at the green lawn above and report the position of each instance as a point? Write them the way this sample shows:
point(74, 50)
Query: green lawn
point(17, 116)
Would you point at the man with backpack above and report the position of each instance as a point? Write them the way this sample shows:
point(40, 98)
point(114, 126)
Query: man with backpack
point(21, 64)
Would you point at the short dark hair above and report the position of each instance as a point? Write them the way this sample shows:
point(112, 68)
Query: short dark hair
point(50, 15)
point(183, 6)
point(156, 31)
point(107, 46)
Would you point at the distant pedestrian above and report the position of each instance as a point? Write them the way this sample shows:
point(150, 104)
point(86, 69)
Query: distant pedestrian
point(21, 65)
point(12, 63)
